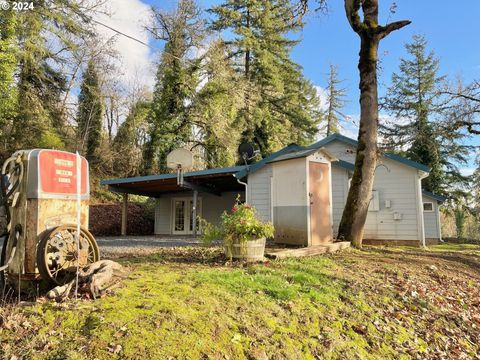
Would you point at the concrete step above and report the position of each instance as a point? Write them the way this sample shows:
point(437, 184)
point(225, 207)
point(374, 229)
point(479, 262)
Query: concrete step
point(307, 251)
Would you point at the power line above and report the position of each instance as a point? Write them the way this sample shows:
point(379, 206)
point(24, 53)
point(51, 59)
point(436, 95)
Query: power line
point(90, 18)
point(123, 34)
point(139, 41)
point(130, 37)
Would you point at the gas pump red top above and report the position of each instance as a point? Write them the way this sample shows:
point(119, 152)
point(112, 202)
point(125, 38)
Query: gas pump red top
point(58, 172)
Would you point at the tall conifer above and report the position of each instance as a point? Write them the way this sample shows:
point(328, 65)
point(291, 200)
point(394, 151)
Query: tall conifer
point(90, 113)
point(413, 99)
point(279, 105)
point(335, 102)
point(176, 83)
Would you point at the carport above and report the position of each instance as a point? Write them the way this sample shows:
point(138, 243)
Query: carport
point(214, 182)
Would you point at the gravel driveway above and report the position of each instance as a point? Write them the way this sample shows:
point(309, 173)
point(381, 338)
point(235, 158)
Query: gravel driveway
point(136, 244)
point(117, 245)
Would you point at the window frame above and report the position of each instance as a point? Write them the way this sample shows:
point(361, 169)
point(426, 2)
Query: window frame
point(428, 202)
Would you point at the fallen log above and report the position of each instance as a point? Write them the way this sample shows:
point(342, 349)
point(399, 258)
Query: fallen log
point(94, 281)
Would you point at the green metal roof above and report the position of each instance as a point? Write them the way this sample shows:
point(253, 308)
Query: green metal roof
point(407, 162)
point(258, 165)
point(232, 169)
point(294, 151)
point(349, 141)
point(331, 138)
point(290, 152)
point(344, 165)
point(439, 198)
point(293, 155)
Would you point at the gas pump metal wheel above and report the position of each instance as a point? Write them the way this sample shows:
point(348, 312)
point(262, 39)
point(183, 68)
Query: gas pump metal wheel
point(57, 255)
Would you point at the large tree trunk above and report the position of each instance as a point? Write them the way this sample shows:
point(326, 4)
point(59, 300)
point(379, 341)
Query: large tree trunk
point(358, 200)
point(370, 33)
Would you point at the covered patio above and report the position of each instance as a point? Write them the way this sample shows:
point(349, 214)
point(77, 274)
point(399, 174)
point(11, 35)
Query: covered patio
point(204, 193)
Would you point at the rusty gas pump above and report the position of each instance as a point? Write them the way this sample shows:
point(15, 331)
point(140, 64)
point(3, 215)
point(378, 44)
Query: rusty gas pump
point(40, 206)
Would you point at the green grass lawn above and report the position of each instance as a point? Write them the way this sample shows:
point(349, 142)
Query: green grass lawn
point(187, 304)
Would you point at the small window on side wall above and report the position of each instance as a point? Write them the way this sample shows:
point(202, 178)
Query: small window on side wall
point(428, 206)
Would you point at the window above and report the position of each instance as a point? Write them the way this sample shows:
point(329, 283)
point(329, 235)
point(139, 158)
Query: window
point(428, 206)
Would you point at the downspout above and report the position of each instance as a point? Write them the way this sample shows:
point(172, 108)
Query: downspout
point(439, 223)
point(245, 159)
point(246, 188)
point(421, 175)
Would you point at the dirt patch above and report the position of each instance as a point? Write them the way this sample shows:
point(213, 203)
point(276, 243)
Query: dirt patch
point(105, 220)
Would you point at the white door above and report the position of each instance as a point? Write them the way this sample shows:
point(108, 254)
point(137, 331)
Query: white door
point(182, 209)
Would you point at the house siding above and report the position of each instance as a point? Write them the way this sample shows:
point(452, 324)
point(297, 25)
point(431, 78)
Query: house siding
point(163, 219)
point(260, 193)
point(290, 203)
point(342, 151)
point(394, 182)
point(212, 208)
point(339, 195)
point(431, 220)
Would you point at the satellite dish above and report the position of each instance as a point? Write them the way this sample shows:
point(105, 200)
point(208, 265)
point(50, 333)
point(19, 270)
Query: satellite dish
point(180, 159)
point(246, 150)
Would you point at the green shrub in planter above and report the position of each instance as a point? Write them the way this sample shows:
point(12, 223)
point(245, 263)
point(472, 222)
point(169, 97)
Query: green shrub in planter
point(237, 228)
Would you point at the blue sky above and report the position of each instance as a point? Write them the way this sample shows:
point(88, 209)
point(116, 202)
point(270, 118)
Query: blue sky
point(451, 29)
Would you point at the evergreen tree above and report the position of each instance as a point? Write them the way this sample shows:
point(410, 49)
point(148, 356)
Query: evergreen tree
point(176, 83)
point(335, 102)
point(413, 100)
point(38, 86)
point(47, 39)
point(216, 107)
point(130, 139)
point(7, 71)
point(280, 106)
point(90, 113)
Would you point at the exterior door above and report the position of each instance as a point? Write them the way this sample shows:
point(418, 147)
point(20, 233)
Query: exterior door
point(319, 193)
point(182, 209)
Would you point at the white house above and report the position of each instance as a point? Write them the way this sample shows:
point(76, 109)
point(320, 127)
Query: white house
point(302, 190)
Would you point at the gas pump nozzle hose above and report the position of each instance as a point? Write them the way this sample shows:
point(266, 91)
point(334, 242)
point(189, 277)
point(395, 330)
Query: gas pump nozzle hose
point(14, 249)
point(17, 170)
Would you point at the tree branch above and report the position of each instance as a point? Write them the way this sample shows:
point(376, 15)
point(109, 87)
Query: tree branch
point(461, 95)
point(383, 31)
point(469, 125)
point(352, 7)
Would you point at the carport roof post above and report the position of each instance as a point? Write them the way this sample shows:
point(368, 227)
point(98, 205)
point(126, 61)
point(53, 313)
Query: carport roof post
point(123, 230)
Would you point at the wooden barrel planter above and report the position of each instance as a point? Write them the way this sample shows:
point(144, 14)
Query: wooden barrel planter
point(251, 250)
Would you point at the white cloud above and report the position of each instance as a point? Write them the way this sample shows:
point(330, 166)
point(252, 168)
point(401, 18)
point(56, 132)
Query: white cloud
point(129, 17)
point(467, 171)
